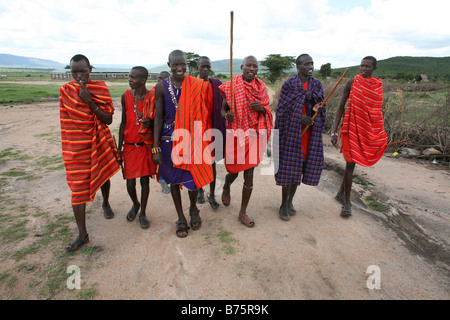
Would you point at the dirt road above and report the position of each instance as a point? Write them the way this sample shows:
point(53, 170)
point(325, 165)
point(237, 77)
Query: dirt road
point(316, 255)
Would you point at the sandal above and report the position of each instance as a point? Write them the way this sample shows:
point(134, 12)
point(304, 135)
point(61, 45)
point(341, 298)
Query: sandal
point(340, 197)
point(196, 221)
point(182, 229)
point(284, 214)
point(226, 197)
point(292, 210)
point(143, 221)
point(77, 244)
point(212, 201)
point(246, 221)
point(131, 215)
point(107, 212)
point(346, 210)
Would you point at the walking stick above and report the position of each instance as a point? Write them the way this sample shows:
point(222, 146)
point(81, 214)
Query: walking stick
point(392, 143)
point(326, 99)
point(231, 61)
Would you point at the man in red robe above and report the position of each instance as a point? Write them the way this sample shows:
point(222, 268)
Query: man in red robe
point(249, 128)
point(88, 150)
point(137, 157)
point(362, 134)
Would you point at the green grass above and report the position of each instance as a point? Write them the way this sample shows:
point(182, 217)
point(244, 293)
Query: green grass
point(33, 93)
point(27, 93)
point(225, 237)
point(373, 203)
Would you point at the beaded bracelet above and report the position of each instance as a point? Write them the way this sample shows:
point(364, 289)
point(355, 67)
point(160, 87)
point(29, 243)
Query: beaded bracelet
point(334, 135)
point(156, 150)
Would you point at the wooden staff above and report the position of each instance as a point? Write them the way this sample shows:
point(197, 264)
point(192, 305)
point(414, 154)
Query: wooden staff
point(326, 99)
point(392, 143)
point(231, 61)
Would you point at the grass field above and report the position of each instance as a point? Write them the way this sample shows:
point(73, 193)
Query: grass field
point(17, 93)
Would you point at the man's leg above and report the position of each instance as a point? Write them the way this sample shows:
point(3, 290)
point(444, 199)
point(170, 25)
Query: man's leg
point(348, 180)
point(131, 189)
point(226, 196)
point(212, 189)
point(284, 208)
point(79, 212)
point(182, 226)
point(145, 192)
point(247, 189)
point(291, 191)
point(196, 221)
point(107, 211)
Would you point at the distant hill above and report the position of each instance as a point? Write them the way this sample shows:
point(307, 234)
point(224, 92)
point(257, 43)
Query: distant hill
point(12, 61)
point(218, 66)
point(394, 67)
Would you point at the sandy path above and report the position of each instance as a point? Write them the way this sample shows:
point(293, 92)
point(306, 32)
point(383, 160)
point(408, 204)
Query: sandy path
point(316, 255)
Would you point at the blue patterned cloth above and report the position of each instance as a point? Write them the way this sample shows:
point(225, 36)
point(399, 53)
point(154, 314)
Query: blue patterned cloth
point(167, 171)
point(288, 155)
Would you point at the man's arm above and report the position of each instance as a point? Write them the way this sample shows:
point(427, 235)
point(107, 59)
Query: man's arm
point(122, 126)
point(99, 113)
point(158, 122)
point(225, 111)
point(340, 110)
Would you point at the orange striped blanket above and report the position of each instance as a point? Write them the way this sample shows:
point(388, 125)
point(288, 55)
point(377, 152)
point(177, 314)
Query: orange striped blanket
point(363, 122)
point(88, 150)
point(193, 116)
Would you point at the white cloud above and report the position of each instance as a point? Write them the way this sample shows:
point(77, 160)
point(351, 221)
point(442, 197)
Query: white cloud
point(144, 32)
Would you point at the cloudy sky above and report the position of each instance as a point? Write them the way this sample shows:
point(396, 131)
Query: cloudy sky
point(143, 32)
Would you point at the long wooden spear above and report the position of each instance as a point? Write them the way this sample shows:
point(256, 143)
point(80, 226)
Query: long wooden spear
point(326, 99)
point(231, 61)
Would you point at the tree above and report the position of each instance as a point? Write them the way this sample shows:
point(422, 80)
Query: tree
point(192, 63)
point(325, 70)
point(277, 65)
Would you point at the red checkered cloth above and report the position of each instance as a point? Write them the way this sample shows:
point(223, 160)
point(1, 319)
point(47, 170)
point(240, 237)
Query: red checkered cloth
point(245, 117)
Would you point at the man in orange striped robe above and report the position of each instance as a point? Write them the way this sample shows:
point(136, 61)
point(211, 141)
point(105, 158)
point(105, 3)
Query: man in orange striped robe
point(362, 134)
point(88, 150)
point(181, 119)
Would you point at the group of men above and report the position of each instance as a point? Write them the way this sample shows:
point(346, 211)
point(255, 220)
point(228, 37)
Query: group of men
point(166, 130)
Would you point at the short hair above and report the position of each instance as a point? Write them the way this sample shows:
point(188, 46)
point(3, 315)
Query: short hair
point(176, 53)
point(164, 74)
point(249, 57)
point(142, 70)
point(204, 58)
point(79, 57)
point(297, 61)
point(374, 61)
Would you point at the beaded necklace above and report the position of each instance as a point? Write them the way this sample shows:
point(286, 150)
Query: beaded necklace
point(139, 115)
point(174, 98)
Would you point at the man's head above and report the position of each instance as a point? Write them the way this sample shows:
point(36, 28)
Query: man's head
point(163, 75)
point(249, 68)
point(305, 65)
point(368, 66)
point(137, 77)
point(80, 68)
point(204, 67)
point(177, 64)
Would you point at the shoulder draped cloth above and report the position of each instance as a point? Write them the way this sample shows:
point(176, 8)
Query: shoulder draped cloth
point(191, 122)
point(363, 121)
point(149, 112)
point(247, 122)
point(288, 154)
point(88, 150)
